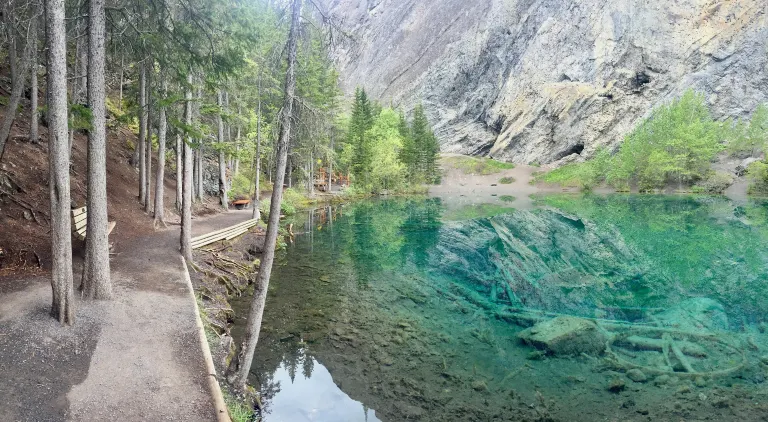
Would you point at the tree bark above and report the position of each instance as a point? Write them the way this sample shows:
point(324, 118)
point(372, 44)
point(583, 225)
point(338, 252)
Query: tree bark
point(17, 90)
point(34, 133)
point(186, 213)
point(222, 155)
point(257, 191)
point(200, 156)
point(148, 147)
point(237, 144)
point(97, 283)
point(179, 171)
point(330, 167)
point(162, 126)
point(139, 156)
point(195, 173)
point(62, 305)
point(240, 365)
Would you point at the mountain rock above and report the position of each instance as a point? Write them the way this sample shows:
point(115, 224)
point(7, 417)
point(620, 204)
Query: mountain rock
point(551, 80)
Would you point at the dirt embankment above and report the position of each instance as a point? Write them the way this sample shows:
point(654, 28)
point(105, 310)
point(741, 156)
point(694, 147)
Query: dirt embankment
point(25, 203)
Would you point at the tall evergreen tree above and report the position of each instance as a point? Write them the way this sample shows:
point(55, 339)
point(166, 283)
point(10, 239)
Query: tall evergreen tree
point(425, 145)
point(360, 122)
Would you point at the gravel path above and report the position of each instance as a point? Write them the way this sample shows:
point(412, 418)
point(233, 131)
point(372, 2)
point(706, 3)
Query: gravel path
point(135, 358)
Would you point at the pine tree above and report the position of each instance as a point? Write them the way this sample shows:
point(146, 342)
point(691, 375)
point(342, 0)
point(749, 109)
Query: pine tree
point(408, 152)
point(425, 146)
point(360, 122)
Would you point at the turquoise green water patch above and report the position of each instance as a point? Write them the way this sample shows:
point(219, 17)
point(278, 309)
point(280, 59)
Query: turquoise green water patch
point(402, 309)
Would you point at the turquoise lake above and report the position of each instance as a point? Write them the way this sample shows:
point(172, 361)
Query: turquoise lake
point(407, 309)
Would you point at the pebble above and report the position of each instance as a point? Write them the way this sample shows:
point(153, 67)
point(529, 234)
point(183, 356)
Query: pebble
point(637, 375)
point(661, 380)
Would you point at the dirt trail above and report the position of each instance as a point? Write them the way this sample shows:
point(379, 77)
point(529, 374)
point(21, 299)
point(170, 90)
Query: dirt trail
point(136, 358)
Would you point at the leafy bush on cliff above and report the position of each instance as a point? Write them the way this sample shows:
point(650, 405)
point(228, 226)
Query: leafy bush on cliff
point(676, 144)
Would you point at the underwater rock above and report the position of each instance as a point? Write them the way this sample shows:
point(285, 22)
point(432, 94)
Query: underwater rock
point(662, 380)
point(700, 382)
point(479, 386)
point(617, 384)
point(536, 355)
point(637, 375)
point(565, 335)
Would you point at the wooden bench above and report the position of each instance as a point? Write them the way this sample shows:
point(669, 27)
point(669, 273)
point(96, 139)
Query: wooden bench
point(241, 203)
point(80, 220)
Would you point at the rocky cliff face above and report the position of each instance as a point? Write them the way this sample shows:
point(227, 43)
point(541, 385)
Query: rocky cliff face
point(546, 80)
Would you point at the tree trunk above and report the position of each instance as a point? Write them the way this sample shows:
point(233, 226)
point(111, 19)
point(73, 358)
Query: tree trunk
point(222, 156)
point(186, 213)
point(257, 191)
point(179, 170)
point(200, 154)
point(17, 90)
point(148, 147)
point(240, 365)
point(237, 145)
point(63, 305)
point(33, 109)
point(200, 170)
point(122, 81)
point(139, 155)
point(195, 173)
point(97, 283)
point(162, 126)
point(330, 167)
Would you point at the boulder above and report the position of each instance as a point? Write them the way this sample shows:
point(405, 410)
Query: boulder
point(566, 335)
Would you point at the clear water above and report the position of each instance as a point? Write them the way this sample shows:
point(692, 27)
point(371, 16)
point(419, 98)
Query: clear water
point(407, 310)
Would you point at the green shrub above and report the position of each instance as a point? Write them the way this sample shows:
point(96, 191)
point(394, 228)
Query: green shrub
point(507, 180)
point(757, 173)
point(507, 198)
point(749, 139)
point(675, 145)
point(242, 185)
point(238, 410)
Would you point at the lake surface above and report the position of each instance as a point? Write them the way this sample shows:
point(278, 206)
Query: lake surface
point(408, 309)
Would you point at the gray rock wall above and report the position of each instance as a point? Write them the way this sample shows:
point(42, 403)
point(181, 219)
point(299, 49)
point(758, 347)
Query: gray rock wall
point(539, 80)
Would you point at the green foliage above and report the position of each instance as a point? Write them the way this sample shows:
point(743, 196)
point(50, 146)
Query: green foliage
point(757, 173)
point(507, 180)
point(749, 139)
point(479, 165)
point(420, 148)
point(579, 175)
point(675, 145)
point(293, 200)
point(242, 186)
point(507, 198)
point(80, 117)
point(238, 410)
